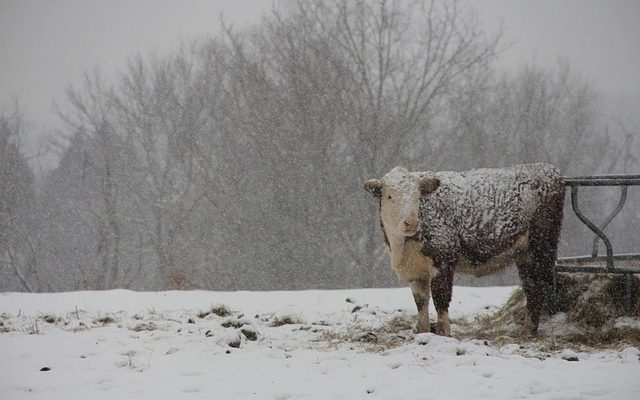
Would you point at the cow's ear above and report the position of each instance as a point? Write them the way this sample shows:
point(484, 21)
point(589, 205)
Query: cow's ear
point(429, 184)
point(373, 186)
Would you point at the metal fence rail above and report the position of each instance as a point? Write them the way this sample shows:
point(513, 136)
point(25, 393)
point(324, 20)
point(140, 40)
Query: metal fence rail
point(610, 263)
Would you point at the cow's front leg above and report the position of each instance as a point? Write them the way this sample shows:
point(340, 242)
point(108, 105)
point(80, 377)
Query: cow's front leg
point(421, 289)
point(441, 287)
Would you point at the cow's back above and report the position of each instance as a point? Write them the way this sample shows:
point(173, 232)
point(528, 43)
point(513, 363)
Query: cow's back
point(482, 213)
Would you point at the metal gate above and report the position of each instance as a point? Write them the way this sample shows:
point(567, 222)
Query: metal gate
point(610, 262)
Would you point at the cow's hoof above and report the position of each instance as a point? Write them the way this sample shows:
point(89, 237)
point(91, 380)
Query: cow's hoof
point(423, 329)
point(443, 327)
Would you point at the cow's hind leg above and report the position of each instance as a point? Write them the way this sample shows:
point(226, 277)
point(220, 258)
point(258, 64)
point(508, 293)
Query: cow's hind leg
point(536, 269)
point(441, 288)
point(421, 289)
point(531, 287)
point(536, 275)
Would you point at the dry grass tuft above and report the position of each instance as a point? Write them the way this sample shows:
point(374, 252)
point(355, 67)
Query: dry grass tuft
point(106, 320)
point(219, 310)
point(398, 324)
point(285, 320)
point(50, 318)
point(144, 326)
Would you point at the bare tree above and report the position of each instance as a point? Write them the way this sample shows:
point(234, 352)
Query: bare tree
point(162, 114)
point(394, 63)
point(534, 115)
point(318, 97)
point(19, 247)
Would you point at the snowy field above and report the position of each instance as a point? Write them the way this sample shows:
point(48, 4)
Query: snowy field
point(280, 345)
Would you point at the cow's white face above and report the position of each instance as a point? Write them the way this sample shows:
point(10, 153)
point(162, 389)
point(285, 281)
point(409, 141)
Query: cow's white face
point(399, 192)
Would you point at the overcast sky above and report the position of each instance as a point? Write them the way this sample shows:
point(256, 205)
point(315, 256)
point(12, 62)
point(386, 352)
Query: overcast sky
point(46, 44)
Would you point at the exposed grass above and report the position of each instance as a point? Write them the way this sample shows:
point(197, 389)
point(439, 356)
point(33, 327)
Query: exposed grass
point(33, 328)
point(592, 304)
point(596, 302)
point(50, 318)
point(394, 332)
point(144, 326)
point(220, 310)
point(285, 320)
point(614, 337)
point(105, 320)
point(513, 312)
point(233, 323)
point(398, 324)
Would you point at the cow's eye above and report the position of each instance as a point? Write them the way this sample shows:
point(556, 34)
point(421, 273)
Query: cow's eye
point(389, 197)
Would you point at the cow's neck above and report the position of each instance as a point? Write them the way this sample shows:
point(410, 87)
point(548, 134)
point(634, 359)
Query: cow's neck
point(396, 247)
point(407, 259)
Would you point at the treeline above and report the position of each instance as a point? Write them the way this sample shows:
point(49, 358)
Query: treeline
point(237, 162)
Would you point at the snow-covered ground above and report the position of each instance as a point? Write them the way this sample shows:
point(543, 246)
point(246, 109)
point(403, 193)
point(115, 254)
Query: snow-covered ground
point(128, 345)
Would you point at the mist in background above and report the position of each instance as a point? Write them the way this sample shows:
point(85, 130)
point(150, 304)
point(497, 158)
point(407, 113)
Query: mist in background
point(223, 145)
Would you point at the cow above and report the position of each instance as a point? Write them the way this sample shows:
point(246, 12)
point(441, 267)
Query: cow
point(475, 222)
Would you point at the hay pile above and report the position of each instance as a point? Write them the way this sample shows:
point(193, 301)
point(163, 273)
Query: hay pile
point(593, 314)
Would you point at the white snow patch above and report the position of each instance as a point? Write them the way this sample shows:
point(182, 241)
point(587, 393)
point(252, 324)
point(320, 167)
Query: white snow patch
point(183, 356)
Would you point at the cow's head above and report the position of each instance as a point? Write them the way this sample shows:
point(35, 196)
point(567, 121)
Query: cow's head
point(399, 192)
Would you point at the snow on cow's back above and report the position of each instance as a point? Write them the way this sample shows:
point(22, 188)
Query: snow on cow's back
point(494, 202)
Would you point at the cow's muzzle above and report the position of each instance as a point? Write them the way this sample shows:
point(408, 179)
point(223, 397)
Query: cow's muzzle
point(410, 226)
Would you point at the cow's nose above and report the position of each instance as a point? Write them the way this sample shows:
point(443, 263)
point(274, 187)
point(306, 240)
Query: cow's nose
point(411, 224)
